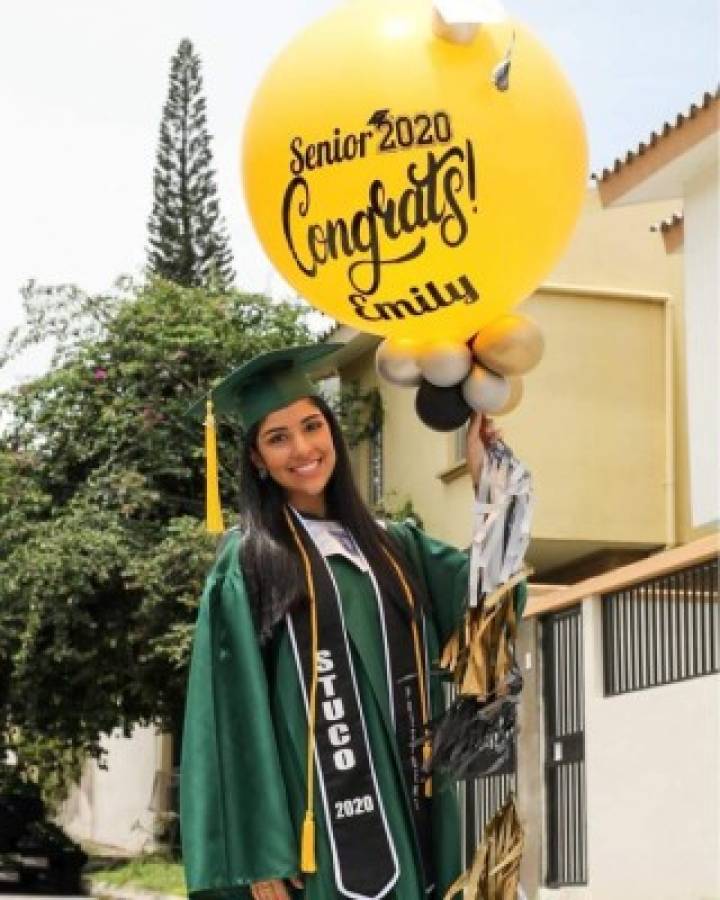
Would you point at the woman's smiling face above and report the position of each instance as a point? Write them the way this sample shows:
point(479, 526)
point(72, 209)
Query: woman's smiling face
point(296, 447)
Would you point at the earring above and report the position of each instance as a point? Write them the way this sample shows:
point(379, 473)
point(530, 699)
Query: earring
point(263, 473)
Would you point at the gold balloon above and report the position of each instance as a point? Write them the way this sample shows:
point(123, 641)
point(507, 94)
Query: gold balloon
point(514, 397)
point(511, 345)
point(445, 363)
point(396, 362)
point(485, 391)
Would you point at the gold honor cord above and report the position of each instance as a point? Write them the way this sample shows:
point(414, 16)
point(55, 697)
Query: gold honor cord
point(307, 844)
point(419, 664)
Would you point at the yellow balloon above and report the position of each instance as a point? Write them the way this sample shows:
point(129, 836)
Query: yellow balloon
point(395, 186)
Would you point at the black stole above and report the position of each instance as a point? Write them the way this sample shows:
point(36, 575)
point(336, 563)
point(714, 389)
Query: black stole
point(364, 857)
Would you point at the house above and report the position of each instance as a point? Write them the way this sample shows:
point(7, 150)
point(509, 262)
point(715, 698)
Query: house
point(617, 772)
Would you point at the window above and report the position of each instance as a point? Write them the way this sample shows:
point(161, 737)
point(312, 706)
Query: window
point(375, 460)
point(459, 439)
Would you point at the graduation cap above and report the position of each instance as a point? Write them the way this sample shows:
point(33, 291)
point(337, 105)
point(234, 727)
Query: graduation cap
point(266, 383)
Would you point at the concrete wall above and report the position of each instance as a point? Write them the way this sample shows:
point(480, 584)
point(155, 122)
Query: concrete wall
point(702, 334)
point(111, 805)
point(653, 787)
point(530, 744)
point(653, 782)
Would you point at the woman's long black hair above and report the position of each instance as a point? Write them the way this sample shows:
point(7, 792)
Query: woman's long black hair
point(273, 573)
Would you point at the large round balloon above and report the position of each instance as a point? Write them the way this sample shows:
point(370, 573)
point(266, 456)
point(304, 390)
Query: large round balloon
point(396, 185)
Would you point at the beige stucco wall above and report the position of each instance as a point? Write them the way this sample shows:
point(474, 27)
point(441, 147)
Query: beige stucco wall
point(596, 423)
point(615, 248)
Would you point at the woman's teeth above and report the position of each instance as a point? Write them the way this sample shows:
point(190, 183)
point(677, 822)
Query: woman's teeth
point(307, 468)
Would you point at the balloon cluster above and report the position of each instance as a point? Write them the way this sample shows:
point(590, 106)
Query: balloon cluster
point(454, 378)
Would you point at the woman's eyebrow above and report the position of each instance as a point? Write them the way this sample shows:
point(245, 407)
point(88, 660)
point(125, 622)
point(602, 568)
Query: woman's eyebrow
point(279, 428)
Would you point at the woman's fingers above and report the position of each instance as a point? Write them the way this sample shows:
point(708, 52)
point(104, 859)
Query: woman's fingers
point(475, 447)
point(488, 431)
point(269, 890)
point(481, 432)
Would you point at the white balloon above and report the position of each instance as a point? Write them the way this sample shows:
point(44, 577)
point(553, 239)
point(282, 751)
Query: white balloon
point(516, 394)
point(485, 391)
point(445, 364)
point(396, 362)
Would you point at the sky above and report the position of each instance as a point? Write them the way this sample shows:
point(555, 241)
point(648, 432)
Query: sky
point(83, 82)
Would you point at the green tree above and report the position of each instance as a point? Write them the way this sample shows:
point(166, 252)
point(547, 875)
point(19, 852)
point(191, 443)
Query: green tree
point(187, 242)
point(103, 549)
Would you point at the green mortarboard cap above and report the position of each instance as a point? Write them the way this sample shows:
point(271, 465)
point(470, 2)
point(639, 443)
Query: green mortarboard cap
point(265, 383)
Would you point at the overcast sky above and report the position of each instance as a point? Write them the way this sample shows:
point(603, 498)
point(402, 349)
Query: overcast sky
point(82, 85)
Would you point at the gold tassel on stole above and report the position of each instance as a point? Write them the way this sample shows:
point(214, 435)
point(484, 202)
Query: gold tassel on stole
point(214, 517)
point(308, 863)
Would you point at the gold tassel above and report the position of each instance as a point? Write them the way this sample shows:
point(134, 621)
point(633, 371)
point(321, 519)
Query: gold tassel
point(214, 517)
point(307, 846)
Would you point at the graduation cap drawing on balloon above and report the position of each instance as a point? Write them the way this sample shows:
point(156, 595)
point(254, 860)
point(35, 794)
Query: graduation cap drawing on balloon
point(262, 385)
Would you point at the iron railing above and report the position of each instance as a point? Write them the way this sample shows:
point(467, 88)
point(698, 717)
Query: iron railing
point(663, 630)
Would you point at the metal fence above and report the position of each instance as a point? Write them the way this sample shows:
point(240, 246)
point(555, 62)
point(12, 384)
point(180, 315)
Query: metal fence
point(563, 684)
point(479, 800)
point(662, 631)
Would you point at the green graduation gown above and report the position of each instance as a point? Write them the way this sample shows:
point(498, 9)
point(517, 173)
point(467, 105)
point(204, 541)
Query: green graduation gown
point(245, 734)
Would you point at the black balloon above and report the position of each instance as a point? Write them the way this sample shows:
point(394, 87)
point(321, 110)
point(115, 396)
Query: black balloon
point(441, 408)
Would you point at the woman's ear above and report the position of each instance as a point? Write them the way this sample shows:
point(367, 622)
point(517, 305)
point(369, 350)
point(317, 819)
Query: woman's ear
point(256, 460)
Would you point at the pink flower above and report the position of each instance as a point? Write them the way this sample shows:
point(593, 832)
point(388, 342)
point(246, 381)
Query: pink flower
point(100, 374)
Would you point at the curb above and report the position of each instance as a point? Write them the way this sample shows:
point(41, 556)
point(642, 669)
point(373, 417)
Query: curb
point(102, 891)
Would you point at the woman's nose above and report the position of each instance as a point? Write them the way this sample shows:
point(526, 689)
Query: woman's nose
point(301, 444)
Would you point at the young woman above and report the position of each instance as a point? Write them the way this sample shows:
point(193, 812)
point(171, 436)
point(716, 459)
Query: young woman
point(312, 675)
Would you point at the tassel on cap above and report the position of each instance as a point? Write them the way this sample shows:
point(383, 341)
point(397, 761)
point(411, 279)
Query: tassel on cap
point(214, 517)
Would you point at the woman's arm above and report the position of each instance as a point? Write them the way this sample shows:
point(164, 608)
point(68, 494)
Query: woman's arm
point(236, 826)
point(273, 890)
point(481, 432)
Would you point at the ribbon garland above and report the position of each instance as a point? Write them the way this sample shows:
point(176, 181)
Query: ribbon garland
point(476, 736)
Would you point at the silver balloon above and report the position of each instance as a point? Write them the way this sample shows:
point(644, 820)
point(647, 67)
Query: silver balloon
point(485, 391)
point(396, 362)
point(512, 345)
point(445, 364)
point(515, 396)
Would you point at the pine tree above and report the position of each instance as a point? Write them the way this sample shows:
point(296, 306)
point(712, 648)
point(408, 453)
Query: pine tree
point(188, 243)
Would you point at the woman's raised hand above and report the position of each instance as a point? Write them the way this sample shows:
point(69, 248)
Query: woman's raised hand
point(272, 890)
point(481, 432)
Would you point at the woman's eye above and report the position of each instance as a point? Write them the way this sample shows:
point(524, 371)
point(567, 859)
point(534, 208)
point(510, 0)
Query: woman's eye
point(313, 426)
point(276, 438)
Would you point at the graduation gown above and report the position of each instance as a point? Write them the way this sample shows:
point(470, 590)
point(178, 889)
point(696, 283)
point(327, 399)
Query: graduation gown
point(245, 734)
